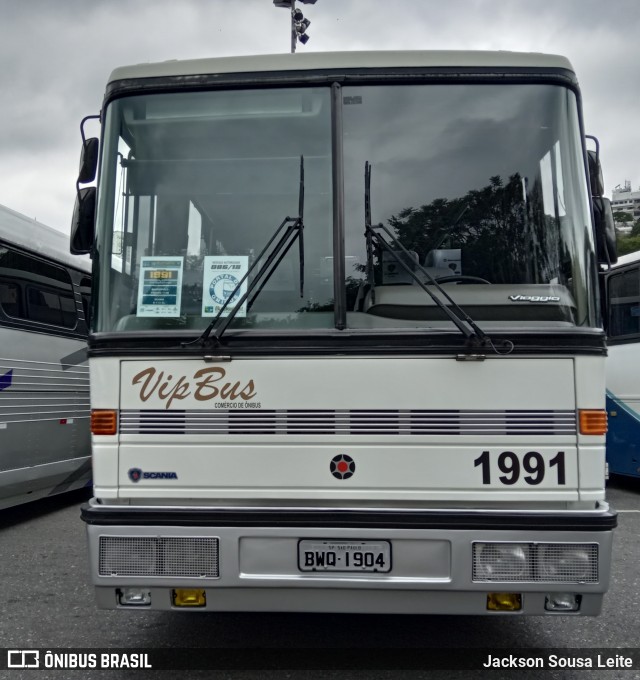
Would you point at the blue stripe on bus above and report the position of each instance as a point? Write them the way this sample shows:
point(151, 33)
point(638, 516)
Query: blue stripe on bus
point(6, 380)
point(623, 438)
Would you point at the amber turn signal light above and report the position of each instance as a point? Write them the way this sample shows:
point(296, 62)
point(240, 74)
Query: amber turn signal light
point(189, 597)
point(593, 422)
point(504, 602)
point(104, 422)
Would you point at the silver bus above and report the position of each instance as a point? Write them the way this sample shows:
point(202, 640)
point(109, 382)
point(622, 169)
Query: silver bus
point(44, 381)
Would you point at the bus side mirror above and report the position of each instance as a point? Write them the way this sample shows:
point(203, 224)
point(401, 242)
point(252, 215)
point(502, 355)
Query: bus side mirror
point(605, 227)
point(596, 180)
point(605, 231)
point(88, 160)
point(82, 224)
point(84, 211)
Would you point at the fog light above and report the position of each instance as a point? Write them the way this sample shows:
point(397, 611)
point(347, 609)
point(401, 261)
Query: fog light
point(504, 602)
point(189, 597)
point(562, 602)
point(134, 597)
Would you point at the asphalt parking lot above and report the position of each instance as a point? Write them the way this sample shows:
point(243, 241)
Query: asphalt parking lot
point(48, 603)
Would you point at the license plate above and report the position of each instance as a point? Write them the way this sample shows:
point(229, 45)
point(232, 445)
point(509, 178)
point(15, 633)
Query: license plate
point(361, 556)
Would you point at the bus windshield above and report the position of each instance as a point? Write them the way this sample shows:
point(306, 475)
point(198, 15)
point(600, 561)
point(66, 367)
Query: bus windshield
point(483, 185)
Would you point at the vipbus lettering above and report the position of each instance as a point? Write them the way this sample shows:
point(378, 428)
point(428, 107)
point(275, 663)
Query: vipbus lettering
point(167, 388)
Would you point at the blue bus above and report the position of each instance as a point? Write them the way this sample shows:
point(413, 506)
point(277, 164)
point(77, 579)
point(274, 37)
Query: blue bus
point(623, 366)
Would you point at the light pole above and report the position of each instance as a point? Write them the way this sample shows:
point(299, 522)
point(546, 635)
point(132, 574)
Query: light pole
point(299, 24)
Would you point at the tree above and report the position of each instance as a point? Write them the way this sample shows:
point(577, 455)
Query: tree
point(621, 218)
point(504, 236)
point(628, 244)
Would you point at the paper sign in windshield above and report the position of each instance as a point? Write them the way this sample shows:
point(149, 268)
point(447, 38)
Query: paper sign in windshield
point(160, 286)
point(222, 274)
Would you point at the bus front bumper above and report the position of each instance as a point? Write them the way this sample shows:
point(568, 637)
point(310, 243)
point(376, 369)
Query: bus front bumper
point(410, 561)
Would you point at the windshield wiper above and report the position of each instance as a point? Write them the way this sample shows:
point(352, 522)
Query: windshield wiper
point(293, 231)
point(463, 322)
point(456, 314)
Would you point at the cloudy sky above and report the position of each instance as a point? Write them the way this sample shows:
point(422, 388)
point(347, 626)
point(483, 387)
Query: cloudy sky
point(56, 56)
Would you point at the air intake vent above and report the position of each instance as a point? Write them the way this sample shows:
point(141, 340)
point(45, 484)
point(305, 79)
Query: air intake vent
point(193, 557)
point(349, 422)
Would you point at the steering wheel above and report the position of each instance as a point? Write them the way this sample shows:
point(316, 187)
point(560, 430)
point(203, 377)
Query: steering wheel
point(460, 277)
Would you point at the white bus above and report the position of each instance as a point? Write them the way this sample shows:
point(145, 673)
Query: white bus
point(346, 353)
point(623, 366)
point(45, 445)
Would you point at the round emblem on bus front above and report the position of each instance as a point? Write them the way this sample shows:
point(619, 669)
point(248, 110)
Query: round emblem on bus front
point(342, 466)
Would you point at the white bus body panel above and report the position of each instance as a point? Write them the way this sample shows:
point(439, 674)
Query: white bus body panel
point(487, 401)
point(465, 405)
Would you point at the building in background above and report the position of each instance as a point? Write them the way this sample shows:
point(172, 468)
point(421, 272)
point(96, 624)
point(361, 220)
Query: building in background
point(624, 200)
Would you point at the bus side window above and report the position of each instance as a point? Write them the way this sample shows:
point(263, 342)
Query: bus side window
point(48, 290)
point(10, 299)
point(46, 306)
point(624, 303)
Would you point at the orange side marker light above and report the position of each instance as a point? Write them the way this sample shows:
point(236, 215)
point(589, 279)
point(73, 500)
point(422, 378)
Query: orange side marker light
point(593, 422)
point(104, 421)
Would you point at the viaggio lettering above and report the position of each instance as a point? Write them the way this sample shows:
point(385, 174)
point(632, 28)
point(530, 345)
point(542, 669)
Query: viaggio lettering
point(534, 298)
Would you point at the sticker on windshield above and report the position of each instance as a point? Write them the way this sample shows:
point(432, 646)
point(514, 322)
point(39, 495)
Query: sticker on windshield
point(160, 286)
point(222, 275)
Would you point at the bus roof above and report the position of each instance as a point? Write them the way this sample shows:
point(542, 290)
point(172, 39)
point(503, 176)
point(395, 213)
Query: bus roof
point(343, 60)
point(24, 232)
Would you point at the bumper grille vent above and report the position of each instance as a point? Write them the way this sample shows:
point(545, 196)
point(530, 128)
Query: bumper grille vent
point(192, 557)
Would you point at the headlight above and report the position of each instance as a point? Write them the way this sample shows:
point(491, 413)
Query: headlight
point(536, 562)
point(562, 563)
point(501, 562)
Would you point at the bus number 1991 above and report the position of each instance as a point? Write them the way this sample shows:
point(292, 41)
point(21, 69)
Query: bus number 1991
point(530, 466)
